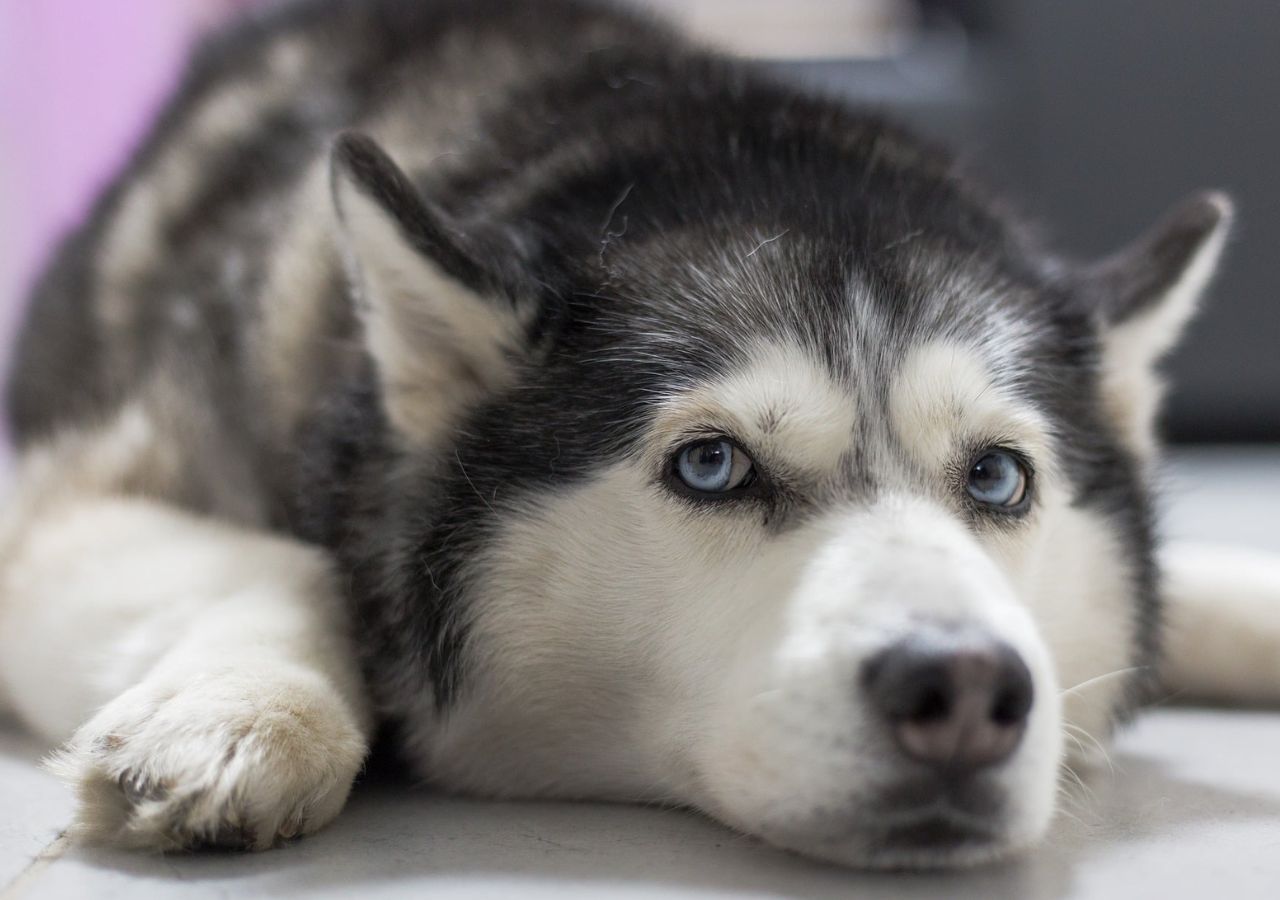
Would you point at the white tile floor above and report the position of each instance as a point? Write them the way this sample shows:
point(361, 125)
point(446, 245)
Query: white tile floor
point(1191, 810)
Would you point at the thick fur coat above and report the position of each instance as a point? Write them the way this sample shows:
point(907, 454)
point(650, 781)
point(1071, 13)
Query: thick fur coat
point(387, 385)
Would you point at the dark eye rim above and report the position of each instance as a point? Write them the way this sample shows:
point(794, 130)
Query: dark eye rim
point(755, 485)
point(1017, 510)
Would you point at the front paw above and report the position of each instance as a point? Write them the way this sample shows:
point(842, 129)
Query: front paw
point(227, 760)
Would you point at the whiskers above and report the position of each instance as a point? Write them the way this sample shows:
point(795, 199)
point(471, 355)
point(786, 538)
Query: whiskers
point(1098, 679)
point(1075, 733)
point(1076, 799)
point(1067, 799)
point(1087, 745)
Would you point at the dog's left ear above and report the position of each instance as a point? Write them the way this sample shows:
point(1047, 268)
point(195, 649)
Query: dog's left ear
point(443, 319)
point(1143, 297)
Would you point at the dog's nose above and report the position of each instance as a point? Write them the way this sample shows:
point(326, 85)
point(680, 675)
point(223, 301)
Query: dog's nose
point(954, 703)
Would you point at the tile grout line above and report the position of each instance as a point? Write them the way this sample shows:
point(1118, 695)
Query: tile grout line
point(51, 853)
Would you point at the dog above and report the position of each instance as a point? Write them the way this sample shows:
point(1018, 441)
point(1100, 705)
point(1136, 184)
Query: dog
point(588, 415)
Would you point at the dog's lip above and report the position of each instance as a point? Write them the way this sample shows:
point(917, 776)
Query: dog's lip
point(979, 801)
point(940, 834)
point(935, 816)
point(943, 840)
point(933, 836)
point(937, 825)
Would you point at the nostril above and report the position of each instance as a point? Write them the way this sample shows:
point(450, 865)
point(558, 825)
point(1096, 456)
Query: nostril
point(1010, 708)
point(932, 704)
point(1013, 693)
point(906, 684)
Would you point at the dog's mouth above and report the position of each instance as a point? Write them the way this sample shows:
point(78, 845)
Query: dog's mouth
point(979, 800)
point(934, 839)
point(943, 830)
point(947, 830)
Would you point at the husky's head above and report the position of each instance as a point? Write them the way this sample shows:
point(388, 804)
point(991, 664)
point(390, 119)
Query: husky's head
point(762, 468)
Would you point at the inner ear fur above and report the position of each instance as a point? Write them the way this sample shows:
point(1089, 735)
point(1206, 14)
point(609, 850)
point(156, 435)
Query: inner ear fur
point(1143, 297)
point(439, 326)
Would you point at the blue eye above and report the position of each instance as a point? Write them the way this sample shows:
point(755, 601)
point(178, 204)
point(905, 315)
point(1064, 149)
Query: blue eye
point(713, 467)
point(998, 478)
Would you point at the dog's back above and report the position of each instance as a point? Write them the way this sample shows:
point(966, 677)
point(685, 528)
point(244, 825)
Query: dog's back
point(205, 285)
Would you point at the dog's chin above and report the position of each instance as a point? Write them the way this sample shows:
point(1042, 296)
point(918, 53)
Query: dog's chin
point(940, 841)
point(971, 828)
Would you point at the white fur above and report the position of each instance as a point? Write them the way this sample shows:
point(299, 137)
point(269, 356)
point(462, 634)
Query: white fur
point(212, 663)
point(792, 753)
point(295, 345)
point(944, 394)
point(1073, 575)
point(438, 347)
point(734, 652)
point(1223, 638)
point(1132, 387)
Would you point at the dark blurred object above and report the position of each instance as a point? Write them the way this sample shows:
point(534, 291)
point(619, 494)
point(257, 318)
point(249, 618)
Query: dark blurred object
point(1126, 107)
point(1096, 117)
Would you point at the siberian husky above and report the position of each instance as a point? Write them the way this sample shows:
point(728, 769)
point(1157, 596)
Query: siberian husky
point(595, 417)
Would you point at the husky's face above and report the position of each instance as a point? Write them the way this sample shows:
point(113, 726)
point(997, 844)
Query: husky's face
point(832, 526)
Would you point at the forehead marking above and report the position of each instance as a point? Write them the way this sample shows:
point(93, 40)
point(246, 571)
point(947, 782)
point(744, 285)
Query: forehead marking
point(780, 400)
point(944, 395)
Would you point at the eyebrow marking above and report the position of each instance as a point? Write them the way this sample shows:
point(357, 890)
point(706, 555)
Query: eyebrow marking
point(944, 394)
point(780, 401)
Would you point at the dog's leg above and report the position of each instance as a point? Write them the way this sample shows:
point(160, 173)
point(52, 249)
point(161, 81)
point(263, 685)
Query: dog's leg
point(1223, 638)
point(212, 663)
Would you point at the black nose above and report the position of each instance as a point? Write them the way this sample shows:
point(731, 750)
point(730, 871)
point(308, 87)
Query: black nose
point(954, 701)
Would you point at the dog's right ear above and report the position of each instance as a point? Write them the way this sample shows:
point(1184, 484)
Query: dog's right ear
point(440, 328)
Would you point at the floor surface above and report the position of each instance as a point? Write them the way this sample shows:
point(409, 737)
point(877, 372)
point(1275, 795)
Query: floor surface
point(1191, 808)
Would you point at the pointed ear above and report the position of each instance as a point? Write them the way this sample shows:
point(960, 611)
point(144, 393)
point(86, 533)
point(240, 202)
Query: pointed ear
point(438, 325)
point(1143, 297)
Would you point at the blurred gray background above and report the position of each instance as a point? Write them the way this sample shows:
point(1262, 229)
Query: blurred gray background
point(1094, 116)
